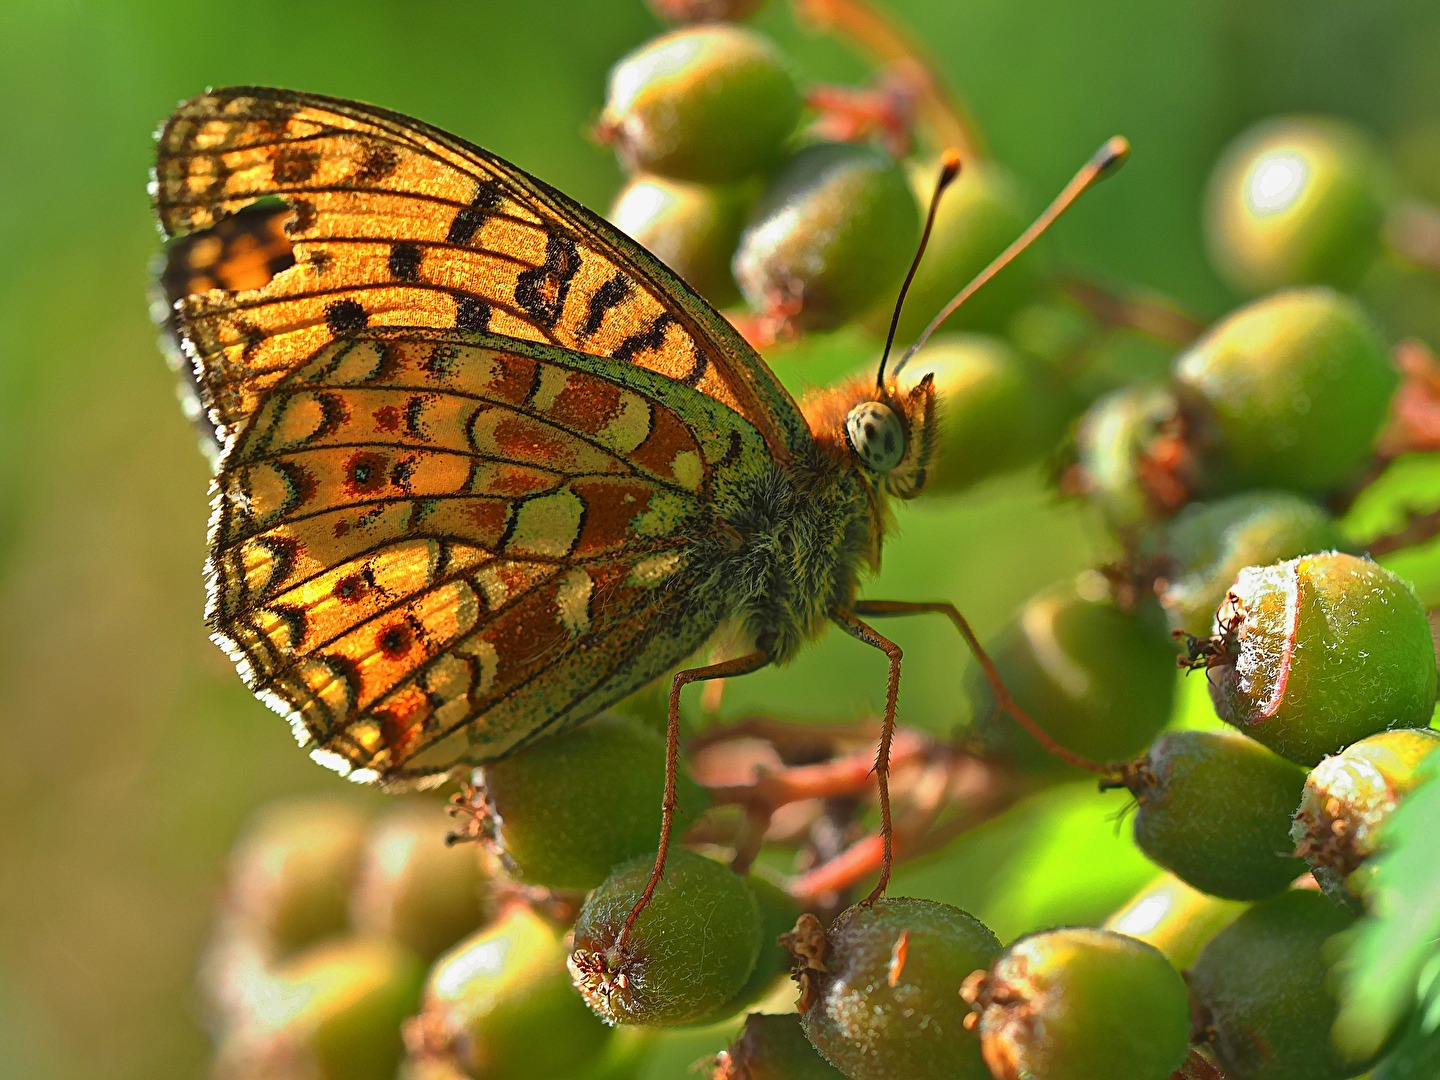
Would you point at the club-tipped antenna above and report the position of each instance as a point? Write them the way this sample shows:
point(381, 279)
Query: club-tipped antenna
point(1105, 161)
point(949, 170)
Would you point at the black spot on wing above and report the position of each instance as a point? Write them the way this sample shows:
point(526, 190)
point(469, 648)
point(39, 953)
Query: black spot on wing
point(345, 317)
point(294, 165)
point(468, 219)
point(541, 291)
point(646, 340)
point(376, 163)
point(609, 295)
point(404, 262)
point(472, 315)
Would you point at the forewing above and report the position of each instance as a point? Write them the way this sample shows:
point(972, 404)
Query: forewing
point(428, 548)
point(395, 223)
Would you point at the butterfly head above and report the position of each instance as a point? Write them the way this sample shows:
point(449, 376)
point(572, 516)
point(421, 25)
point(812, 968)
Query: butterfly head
point(886, 433)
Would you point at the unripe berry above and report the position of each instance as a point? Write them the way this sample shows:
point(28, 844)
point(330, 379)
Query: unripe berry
point(416, 889)
point(572, 807)
point(1349, 797)
point(1318, 652)
point(1081, 1004)
point(1130, 460)
point(980, 215)
point(712, 104)
point(1178, 919)
point(1204, 546)
point(1214, 809)
point(500, 1004)
point(293, 871)
point(778, 912)
point(688, 954)
point(1098, 678)
point(773, 1048)
point(997, 413)
point(333, 1013)
point(1262, 989)
point(1289, 391)
point(831, 235)
point(879, 989)
point(691, 228)
point(1296, 200)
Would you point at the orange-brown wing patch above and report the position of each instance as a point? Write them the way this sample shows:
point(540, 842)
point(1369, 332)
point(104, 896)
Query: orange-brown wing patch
point(415, 526)
point(394, 223)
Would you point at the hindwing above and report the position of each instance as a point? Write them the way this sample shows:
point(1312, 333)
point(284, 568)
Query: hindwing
point(428, 547)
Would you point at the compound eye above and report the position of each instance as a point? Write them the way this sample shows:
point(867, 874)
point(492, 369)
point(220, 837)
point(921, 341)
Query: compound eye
point(876, 435)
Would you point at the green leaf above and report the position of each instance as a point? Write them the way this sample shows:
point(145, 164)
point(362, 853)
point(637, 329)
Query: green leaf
point(1396, 947)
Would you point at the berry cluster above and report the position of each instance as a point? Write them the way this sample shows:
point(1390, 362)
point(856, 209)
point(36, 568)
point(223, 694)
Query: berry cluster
point(1223, 483)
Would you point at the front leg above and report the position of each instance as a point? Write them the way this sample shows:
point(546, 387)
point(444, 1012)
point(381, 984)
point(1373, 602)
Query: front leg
point(726, 669)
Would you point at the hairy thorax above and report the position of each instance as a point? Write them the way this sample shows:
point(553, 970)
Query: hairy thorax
point(800, 545)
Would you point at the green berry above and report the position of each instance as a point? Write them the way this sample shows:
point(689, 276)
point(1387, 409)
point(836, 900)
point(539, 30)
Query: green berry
point(417, 889)
point(1349, 797)
point(1319, 652)
point(1204, 546)
point(879, 989)
point(1296, 200)
point(293, 871)
point(980, 215)
point(1129, 456)
point(693, 11)
point(997, 413)
point(1290, 391)
point(334, 1013)
point(500, 1003)
point(712, 104)
point(1081, 1004)
point(572, 807)
point(1263, 991)
point(1178, 919)
point(688, 954)
point(691, 228)
point(773, 1048)
point(1214, 808)
point(778, 912)
point(831, 235)
point(1099, 679)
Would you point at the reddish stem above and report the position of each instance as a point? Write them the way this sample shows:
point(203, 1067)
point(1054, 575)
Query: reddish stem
point(876, 35)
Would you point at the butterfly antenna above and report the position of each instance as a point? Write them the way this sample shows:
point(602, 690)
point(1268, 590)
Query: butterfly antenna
point(1106, 160)
point(949, 170)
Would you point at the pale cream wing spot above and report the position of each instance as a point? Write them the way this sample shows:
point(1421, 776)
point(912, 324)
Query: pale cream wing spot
point(492, 585)
point(655, 569)
point(292, 421)
point(688, 469)
point(546, 527)
point(665, 513)
point(630, 427)
point(548, 388)
point(357, 364)
point(487, 661)
point(449, 682)
point(572, 598)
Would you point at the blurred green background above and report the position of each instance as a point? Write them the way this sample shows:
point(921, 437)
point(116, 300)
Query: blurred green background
point(130, 751)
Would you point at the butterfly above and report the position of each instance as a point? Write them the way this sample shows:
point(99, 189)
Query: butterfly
point(485, 465)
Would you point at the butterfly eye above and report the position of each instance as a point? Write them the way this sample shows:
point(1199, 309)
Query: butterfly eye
point(876, 435)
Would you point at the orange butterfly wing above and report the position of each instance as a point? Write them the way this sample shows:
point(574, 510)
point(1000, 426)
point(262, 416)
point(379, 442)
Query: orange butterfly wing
point(430, 547)
point(395, 223)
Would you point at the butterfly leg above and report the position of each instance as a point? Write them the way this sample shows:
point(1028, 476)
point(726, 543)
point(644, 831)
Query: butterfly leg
point(856, 628)
point(726, 669)
point(884, 608)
